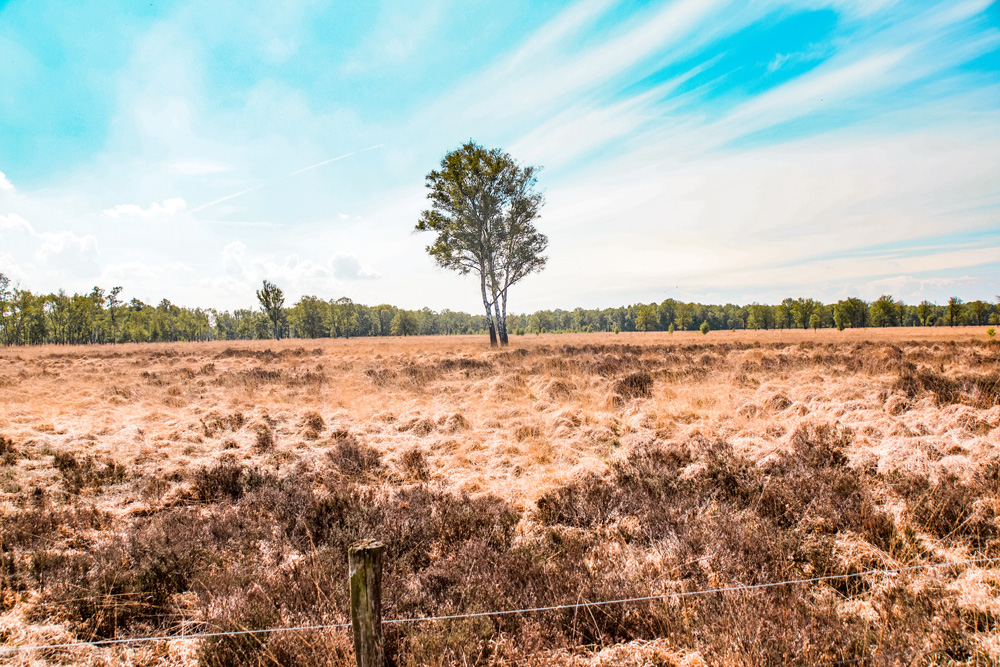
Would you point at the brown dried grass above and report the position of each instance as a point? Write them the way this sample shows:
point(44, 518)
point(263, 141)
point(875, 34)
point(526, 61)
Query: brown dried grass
point(218, 483)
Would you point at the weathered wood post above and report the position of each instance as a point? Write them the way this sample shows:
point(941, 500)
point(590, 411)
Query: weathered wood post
point(364, 561)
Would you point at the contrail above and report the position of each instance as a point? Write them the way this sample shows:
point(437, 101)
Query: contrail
point(222, 199)
point(333, 159)
point(281, 178)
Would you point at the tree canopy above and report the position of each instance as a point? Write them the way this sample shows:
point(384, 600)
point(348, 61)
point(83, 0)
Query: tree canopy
point(483, 208)
point(272, 300)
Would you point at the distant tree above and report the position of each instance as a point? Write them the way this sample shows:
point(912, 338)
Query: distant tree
point(954, 310)
point(404, 323)
point(646, 318)
point(272, 301)
point(114, 305)
point(925, 311)
point(978, 310)
point(704, 328)
point(6, 308)
point(784, 313)
point(851, 312)
point(540, 322)
point(815, 321)
point(884, 312)
point(95, 314)
point(309, 316)
point(483, 207)
point(802, 311)
point(760, 317)
point(683, 316)
point(344, 317)
point(666, 312)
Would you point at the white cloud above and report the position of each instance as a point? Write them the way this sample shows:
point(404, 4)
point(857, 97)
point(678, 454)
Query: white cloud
point(13, 222)
point(58, 245)
point(66, 256)
point(348, 267)
point(168, 208)
point(647, 191)
point(12, 270)
point(232, 258)
point(293, 274)
point(4, 183)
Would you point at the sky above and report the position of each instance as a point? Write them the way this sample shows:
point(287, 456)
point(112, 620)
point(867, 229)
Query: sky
point(701, 150)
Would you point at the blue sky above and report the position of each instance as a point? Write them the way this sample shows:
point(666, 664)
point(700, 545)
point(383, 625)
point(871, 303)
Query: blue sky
point(694, 149)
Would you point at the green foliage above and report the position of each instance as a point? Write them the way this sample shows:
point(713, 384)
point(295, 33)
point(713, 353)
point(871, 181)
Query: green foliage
point(802, 310)
point(272, 299)
point(704, 328)
point(99, 317)
point(760, 317)
point(991, 332)
point(483, 207)
point(404, 323)
point(783, 314)
point(925, 312)
point(646, 318)
point(954, 311)
point(884, 312)
point(310, 317)
point(852, 312)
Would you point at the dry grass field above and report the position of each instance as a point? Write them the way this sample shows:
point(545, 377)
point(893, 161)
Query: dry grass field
point(202, 487)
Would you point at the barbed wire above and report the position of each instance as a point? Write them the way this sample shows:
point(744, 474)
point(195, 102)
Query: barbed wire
point(507, 612)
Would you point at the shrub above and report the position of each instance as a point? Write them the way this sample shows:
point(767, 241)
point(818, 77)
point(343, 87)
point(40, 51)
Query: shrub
point(636, 385)
point(8, 452)
point(414, 465)
point(264, 437)
point(313, 425)
point(355, 459)
point(704, 328)
point(76, 474)
point(952, 508)
point(227, 479)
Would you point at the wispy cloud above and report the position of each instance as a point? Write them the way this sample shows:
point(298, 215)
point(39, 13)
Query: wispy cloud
point(276, 180)
point(687, 145)
point(168, 208)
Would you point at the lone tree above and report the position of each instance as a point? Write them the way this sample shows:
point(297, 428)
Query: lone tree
point(483, 207)
point(272, 299)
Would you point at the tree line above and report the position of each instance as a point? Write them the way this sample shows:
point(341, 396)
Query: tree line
point(103, 316)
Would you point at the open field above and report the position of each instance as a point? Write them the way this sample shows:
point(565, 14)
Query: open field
point(150, 489)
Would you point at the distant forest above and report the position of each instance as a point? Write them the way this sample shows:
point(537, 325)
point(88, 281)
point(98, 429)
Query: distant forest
point(103, 317)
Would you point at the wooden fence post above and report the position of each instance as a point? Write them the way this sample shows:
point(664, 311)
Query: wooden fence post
point(365, 564)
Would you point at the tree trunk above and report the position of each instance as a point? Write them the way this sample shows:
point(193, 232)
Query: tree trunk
point(489, 315)
point(501, 324)
point(503, 315)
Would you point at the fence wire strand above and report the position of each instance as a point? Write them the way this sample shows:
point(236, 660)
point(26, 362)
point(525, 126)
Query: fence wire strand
point(507, 612)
